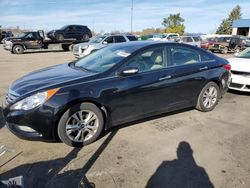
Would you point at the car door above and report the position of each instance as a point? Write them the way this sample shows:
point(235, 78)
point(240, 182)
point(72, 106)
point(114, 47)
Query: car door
point(189, 74)
point(69, 32)
point(33, 41)
point(142, 94)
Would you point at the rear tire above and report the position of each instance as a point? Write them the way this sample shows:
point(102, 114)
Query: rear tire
point(208, 97)
point(74, 122)
point(18, 49)
point(59, 37)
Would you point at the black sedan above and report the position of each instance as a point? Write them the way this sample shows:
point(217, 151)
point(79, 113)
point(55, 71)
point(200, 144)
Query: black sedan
point(120, 83)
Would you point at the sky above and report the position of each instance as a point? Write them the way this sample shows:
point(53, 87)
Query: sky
point(106, 15)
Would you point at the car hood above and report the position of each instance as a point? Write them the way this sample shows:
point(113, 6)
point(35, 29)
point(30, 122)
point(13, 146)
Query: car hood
point(88, 44)
point(12, 38)
point(240, 64)
point(47, 77)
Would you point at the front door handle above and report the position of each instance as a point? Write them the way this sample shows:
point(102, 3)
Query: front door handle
point(165, 77)
point(203, 68)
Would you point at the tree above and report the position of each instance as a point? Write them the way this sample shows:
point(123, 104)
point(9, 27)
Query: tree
point(174, 24)
point(226, 24)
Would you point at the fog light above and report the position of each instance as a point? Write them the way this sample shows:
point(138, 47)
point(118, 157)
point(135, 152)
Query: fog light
point(26, 129)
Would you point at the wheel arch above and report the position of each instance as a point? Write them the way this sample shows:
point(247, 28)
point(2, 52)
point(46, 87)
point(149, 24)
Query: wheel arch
point(15, 44)
point(104, 110)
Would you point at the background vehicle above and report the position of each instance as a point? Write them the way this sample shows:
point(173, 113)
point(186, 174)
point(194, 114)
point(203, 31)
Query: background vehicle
point(240, 64)
point(33, 40)
point(170, 36)
point(5, 34)
point(191, 40)
point(117, 84)
point(208, 43)
point(100, 41)
point(78, 32)
point(235, 44)
point(156, 37)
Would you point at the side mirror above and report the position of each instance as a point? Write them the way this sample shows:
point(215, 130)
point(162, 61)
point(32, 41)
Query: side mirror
point(128, 71)
point(105, 42)
point(236, 54)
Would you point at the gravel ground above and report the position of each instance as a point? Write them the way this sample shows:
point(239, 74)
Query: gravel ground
point(187, 148)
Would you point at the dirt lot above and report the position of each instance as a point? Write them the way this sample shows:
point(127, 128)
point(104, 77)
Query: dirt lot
point(182, 149)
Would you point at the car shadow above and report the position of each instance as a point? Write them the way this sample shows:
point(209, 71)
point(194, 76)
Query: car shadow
point(2, 121)
point(142, 120)
point(236, 92)
point(51, 174)
point(181, 172)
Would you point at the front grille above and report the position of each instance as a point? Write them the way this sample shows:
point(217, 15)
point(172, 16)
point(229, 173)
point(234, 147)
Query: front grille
point(236, 85)
point(240, 73)
point(11, 97)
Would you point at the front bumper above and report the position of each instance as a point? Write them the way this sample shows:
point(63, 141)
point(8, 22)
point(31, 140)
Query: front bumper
point(7, 45)
point(37, 124)
point(240, 83)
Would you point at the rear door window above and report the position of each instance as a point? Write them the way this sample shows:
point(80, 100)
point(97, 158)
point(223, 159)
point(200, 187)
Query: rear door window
point(184, 56)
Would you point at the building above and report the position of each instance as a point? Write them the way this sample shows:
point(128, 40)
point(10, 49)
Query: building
point(241, 27)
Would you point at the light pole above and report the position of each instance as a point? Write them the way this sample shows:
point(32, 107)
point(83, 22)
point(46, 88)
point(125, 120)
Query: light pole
point(132, 9)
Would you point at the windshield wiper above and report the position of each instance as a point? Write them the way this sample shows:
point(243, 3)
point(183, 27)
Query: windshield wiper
point(73, 65)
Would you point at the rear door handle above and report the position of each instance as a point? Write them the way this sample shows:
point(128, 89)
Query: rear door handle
point(165, 77)
point(203, 68)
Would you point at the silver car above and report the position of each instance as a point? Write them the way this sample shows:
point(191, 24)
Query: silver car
point(100, 41)
point(192, 40)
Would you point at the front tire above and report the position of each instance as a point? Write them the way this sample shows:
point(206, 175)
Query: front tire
point(80, 125)
point(208, 97)
point(18, 49)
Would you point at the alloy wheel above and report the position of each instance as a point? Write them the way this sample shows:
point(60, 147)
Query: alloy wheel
point(82, 126)
point(209, 98)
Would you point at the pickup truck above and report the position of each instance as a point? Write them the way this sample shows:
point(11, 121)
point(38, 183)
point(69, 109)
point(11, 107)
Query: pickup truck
point(34, 40)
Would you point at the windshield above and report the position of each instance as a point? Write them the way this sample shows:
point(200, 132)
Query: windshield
point(97, 39)
point(23, 34)
point(105, 58)
point(244, 54)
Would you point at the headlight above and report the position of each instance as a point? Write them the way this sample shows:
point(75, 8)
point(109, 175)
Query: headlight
point(34, 100)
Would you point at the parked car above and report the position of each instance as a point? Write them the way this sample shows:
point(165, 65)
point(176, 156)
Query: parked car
point(157, 37)
point(170, 37)
point(240, 71)
point(191, 40)
point(120, 83)
point(208, 43)
point(6, 34)
point(100, 41)
point(234, 45)
point(78, 32)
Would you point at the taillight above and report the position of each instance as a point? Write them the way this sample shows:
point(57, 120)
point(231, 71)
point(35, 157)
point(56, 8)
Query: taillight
point(227, 67)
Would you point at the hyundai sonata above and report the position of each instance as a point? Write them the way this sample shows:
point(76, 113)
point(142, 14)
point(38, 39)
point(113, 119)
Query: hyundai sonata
point(121, 83)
